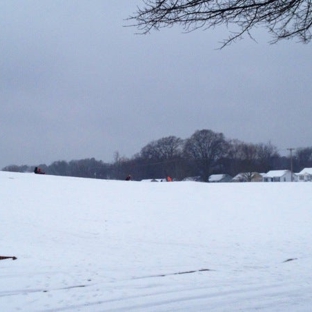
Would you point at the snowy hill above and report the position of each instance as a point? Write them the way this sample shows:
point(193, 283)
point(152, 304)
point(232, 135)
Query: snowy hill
point(98, 245)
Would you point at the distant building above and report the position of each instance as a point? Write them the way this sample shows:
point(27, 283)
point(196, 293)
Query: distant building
point(194, 179)
point(248, 177)
point(153, 180)
point(220, 178)
point(278, 176)
point(305, 175)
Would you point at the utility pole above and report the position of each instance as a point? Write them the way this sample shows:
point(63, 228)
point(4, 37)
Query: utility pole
point(291, 161)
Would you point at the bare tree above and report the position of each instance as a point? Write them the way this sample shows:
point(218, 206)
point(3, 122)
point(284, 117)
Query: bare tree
point(284, 19)
point(249, 158)
point(245, 156)
point(267, 156)
point(206, 148)
point(162, 149)
point(163, 156)
point(303, 157)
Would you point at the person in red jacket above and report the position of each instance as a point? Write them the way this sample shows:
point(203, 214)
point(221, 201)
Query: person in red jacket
point(38, 171)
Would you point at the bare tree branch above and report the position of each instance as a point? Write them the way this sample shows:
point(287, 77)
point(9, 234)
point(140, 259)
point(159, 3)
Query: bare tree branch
point(284, 19)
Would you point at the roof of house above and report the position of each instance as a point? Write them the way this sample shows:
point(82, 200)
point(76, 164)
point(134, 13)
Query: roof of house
point(306, 171)
point(196, 179)
point(153, 180)
point(238, 176)
point(246, 174)
point(216, 177)
point(275, 173)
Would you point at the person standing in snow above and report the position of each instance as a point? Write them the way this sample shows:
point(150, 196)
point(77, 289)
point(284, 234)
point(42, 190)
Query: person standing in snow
point(38, 171)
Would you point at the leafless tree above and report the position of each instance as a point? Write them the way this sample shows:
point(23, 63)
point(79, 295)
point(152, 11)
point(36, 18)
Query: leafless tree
point(162, 156)
point(284, 19)
point(206, 148)
point(250, 159)
point(303, 157)
point(163, 149)
point(267, 155)
point(245, 155)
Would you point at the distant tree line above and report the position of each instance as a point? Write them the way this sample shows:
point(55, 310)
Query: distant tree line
point(204, 153)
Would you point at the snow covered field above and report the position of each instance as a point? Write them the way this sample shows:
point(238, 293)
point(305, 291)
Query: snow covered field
point(99, 245)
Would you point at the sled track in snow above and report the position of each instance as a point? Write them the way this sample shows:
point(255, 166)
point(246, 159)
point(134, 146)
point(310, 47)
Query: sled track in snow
point(153, 296)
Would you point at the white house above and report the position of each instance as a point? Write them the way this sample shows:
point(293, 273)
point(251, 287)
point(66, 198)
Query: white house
point(193, 179)
point(248, 177)
point(305, 175)
point(219, 178)
point(278, 176)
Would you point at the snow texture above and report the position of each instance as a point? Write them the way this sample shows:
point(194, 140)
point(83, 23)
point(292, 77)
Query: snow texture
point(99, 245)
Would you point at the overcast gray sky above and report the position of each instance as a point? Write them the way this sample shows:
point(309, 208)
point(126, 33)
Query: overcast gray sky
point(75, 83)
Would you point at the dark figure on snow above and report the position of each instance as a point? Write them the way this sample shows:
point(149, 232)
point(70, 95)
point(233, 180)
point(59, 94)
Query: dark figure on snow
point(128, 178)
point(6, 257)
point(38, 171)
